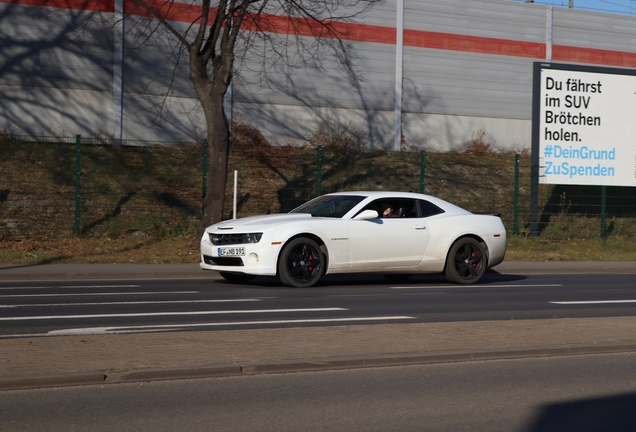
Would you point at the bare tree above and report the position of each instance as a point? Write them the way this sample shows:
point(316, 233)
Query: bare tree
point(291, 33)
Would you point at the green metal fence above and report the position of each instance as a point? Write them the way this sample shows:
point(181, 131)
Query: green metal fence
point(86, 186)
point(274, 180)
point(90, 187)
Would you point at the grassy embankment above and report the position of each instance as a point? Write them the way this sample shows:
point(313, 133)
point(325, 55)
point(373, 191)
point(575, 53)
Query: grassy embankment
point(120, 186)
point(182, 250)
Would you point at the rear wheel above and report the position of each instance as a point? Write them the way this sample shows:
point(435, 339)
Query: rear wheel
point(236, 277)
point(301, 263)
point(466, 262)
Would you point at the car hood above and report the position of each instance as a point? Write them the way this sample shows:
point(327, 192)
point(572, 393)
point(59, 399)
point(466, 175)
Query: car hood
point(255, 222)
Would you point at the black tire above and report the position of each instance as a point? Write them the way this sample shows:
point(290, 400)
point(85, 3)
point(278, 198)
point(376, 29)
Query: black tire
point(237, 277)
point(301, 263)
point(466, 262)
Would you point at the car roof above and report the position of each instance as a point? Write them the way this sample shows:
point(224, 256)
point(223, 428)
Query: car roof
point(386, 194)
point(447, 206)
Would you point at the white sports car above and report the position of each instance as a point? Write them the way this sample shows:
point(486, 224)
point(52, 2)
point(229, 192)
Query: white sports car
point(396, 234)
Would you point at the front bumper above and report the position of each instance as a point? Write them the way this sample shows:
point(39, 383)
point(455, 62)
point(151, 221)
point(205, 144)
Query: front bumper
point(259, 259)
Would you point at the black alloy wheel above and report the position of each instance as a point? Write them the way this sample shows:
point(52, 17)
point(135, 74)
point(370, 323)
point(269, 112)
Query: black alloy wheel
point(301, 263)
point(466, 262)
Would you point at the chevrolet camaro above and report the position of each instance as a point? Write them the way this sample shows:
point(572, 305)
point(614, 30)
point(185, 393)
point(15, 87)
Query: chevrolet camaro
point(396, 234)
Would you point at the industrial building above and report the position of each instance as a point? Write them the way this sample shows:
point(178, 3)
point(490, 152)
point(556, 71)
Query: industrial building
point(434, 74)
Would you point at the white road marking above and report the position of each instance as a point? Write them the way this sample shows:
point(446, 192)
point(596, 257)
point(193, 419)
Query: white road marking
point(593, 302)
point(166, 327)
point(70, 286)
point(148, 314)
point(473, 286)
point(130, 303)
point(379, 295)
point(98, 294)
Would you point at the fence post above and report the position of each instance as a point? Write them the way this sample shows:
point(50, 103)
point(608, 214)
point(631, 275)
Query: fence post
point(422, 170)
point(319, 172)
point(603, 199)
point(534, 180)
point(78, 183)
point(516, 197)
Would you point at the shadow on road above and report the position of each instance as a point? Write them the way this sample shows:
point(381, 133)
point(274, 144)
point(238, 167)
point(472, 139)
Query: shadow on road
point(352, 280)
point(609, 414)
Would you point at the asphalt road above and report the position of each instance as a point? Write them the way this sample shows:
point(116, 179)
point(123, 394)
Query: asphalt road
point(107, 307)
point(573, 308)
point(578, 393)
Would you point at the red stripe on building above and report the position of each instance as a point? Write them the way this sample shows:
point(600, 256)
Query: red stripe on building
point(363, 33)
point(593, 56)
point(94, 5)
point(169, 10)
point(366, 33)
point(304, 27)
point(474, 44)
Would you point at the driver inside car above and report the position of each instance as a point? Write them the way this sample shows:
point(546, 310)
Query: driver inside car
point(386, 210)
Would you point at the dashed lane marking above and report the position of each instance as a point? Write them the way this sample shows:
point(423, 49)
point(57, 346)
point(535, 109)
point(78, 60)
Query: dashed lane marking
point(587, 302)
point(149, 314)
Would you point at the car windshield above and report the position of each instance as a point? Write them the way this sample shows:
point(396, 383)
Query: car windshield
point(335, 206)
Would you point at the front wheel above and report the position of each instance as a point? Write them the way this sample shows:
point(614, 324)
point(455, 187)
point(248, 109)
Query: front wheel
point(301, 263)
point(466, 262)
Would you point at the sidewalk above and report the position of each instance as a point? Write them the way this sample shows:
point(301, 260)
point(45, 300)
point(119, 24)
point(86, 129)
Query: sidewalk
point(71, 360)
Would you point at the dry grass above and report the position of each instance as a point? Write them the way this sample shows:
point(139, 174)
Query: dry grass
point(186, 250)
point(538, 249)
point(105, 250)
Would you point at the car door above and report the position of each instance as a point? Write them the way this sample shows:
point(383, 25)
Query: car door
point(391, 242)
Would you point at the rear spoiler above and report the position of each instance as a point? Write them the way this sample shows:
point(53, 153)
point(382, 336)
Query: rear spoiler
point(498, 214)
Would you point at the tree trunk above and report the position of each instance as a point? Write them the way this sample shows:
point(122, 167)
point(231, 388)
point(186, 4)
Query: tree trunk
point(218, 149)
point(211, 94)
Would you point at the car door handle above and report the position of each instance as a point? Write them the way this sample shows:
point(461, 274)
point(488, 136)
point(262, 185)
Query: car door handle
point(420, 227)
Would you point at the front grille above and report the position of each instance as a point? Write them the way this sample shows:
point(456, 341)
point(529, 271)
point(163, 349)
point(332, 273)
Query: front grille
point(223, 261)
point(232, 239)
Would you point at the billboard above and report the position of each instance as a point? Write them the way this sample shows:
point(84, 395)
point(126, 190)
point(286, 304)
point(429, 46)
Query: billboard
point(584, 125)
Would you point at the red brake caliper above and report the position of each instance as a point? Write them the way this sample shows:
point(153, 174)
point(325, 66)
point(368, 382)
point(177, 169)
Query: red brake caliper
point(310, 258)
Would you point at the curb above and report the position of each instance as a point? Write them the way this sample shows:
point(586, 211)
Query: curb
point(316, 364)
point(52, 380)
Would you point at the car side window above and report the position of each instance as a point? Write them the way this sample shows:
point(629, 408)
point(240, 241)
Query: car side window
point(428, 209)
point(394, 208)
point(406, 208)
point(379, 206)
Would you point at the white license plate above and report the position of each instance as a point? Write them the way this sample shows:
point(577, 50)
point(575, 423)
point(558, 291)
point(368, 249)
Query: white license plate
point(237, 251)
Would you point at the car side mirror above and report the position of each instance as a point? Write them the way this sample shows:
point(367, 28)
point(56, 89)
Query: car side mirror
point(366, 215)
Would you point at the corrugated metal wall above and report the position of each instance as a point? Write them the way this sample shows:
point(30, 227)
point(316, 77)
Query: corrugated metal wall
point(55, 71)
point(460, 94)
point(467, 69)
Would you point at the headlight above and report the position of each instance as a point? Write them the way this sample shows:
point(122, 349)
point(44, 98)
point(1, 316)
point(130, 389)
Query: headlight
point(252, 237)
point(232, 239)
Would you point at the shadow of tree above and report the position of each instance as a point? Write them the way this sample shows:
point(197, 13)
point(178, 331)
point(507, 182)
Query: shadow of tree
point(174, 201)
point(32, 62)
point(112, 214)
point(607, 414)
